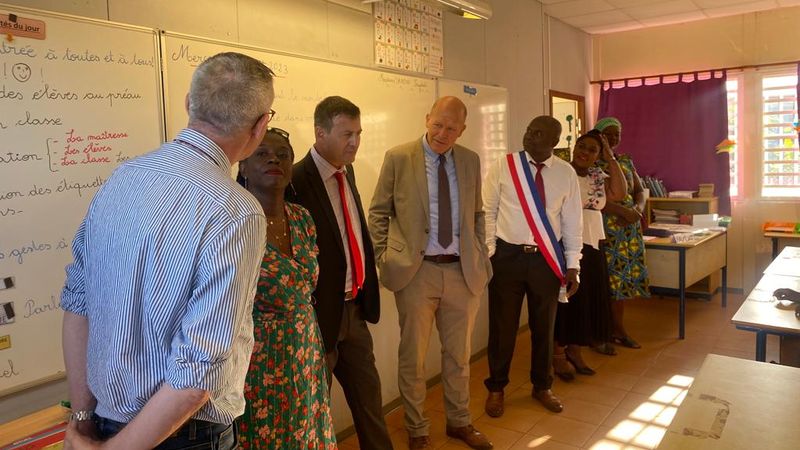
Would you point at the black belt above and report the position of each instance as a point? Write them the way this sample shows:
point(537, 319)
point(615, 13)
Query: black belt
point(442, 259)
point(524, 248)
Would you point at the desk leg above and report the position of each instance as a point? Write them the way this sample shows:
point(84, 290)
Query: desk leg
point(774, 247)
point(682, 289)
point(761, 346)
point(724, 286)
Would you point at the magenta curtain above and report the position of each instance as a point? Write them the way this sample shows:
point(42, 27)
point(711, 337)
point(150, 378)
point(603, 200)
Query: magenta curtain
point(671, 131)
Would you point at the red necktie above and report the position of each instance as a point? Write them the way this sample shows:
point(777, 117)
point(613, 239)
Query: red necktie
point(355, 252)
point(540, 182)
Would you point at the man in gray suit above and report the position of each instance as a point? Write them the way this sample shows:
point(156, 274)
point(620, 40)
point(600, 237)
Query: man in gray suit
point(427, 226)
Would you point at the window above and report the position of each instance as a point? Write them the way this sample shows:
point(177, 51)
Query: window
point(781, 157)
point(732, 86)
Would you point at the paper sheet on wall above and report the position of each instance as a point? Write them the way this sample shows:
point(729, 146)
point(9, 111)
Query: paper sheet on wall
point(409, 36)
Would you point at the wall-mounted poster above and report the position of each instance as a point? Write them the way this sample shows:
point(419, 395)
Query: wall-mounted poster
point(408, 36)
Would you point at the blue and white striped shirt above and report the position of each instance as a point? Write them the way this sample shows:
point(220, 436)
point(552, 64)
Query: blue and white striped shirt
point(165, 269)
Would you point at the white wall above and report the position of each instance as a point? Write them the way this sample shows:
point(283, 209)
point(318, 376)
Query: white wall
point(755, 38)
point(508, 51)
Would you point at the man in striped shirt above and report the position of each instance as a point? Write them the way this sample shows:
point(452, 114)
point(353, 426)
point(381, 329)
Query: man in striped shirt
point(157, 303)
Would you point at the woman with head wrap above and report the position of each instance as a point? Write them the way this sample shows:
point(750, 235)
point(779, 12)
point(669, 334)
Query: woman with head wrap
point(624, 244)
point(586, 318)
point(288, 404)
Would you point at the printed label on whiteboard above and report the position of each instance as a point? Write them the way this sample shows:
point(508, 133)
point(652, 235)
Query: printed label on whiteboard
point(6, 283)
point(7, 313)
point(19, 26)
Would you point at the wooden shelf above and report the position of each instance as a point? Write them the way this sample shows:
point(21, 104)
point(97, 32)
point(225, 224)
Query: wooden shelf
point(707, 205)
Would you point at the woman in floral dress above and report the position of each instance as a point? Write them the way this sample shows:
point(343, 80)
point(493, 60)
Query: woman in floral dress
point(624, 243)
point(288, 405)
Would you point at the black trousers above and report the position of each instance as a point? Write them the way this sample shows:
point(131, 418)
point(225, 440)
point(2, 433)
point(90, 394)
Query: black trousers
point(516, 275)
point(353, 363)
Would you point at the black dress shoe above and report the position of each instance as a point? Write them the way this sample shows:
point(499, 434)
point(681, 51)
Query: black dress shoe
point(583, 370)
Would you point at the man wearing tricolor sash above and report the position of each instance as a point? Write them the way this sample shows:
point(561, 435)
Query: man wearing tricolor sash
point(534, 234)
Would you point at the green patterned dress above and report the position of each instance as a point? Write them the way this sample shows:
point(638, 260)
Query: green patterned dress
point(624, 245)
point(288, 405)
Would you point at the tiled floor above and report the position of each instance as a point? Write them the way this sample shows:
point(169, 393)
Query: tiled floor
point(627, 404)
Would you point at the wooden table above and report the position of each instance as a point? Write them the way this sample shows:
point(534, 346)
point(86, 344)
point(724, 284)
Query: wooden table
point(777, 236)
point(25, 426)
point(678, 265)
point(738, 404)
point(759, 312)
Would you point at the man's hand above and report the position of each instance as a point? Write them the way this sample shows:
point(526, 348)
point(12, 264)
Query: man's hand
point(81, 438)
point(572, 282)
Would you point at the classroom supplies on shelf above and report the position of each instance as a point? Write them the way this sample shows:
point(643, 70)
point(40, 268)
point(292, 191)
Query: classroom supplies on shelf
point(781, 227)
point(681, 194)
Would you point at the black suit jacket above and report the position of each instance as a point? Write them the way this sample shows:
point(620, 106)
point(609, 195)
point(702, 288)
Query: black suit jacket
point(329, 294)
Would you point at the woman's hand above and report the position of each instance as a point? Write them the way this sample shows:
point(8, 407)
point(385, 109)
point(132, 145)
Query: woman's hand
point(606, 154)
point(631, 215)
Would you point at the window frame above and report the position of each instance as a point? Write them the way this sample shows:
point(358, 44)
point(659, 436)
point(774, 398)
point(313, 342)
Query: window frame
point(761, 136)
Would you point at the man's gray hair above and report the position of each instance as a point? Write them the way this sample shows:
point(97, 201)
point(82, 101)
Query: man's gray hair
point(230, 92)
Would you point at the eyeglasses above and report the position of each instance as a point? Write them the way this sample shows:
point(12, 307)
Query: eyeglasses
point(271, 113)
point(279, 132)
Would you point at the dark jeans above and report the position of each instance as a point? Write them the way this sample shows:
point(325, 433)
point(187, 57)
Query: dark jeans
point(518, 275)
point(193, 435)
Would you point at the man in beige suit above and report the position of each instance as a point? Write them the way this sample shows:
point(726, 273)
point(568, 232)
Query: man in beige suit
point(427, 226)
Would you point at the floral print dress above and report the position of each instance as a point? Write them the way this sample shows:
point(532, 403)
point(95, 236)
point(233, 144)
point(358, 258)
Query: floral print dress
point(288, 405)
point(624, 245)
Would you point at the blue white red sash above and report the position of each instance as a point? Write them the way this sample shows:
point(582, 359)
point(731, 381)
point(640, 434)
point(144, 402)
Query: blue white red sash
point(535, 214)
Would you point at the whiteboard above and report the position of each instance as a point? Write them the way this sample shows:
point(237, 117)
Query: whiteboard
point(393, 109)
point(72, 106)
point(487, 118)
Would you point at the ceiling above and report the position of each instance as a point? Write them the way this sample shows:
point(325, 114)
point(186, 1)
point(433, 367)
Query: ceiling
point(609, 16)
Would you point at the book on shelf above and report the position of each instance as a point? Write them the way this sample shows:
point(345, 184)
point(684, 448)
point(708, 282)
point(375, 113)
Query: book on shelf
point(681, 194)
point(48, 439)
point(781, 227)
point(705, 190)
point(665, 216)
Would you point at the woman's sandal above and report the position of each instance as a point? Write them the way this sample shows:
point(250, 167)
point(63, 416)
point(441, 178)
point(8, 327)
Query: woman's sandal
point(564, 375)
point(583, 370)
point(605, 348)
point(625, 341)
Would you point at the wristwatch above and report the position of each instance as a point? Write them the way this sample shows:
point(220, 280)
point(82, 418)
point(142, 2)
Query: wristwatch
point(80, 416)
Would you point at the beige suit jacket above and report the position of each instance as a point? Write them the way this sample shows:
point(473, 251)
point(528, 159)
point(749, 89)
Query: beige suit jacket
point(399, 217)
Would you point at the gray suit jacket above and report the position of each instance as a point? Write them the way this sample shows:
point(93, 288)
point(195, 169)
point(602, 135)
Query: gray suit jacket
point(399, 217)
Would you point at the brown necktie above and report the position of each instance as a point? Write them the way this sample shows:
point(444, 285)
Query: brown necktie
point(445, 217)
point(540, 182)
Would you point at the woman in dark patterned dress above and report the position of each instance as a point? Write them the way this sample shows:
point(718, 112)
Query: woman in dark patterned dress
point(624, 243)
point(288, 405)
point(586, 319)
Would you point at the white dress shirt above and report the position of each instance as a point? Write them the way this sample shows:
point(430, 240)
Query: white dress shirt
point(504, 216)
point(326, 172)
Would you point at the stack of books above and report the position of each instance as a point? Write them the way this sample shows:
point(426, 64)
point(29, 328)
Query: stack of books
point(666, 216)
point(655, 186)
point(705, 190)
